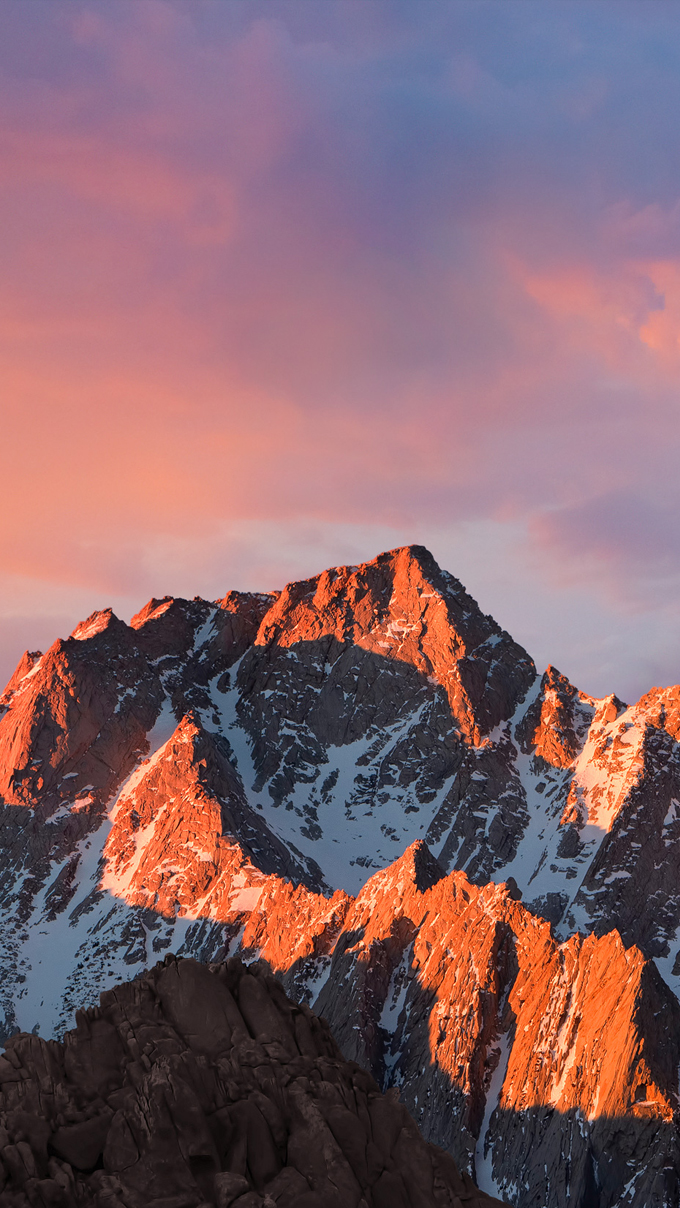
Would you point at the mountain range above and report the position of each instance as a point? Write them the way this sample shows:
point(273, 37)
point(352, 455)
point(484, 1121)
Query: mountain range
point(364, 786)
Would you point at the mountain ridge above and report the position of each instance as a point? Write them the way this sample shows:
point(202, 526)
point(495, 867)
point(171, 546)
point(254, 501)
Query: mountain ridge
point(235, 776)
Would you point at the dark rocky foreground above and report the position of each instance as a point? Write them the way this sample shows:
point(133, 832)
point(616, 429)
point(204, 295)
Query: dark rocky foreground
point(206, 1086)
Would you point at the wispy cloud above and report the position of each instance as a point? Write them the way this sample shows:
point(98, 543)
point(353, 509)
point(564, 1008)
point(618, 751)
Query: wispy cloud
point(371, 269)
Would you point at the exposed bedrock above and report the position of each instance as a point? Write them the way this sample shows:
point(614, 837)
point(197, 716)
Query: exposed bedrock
point(197, 1086)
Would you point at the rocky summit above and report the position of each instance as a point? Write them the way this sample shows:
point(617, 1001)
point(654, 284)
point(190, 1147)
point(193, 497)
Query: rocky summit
point(363, 783)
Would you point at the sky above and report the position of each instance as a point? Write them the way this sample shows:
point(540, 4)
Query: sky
point(284, 283)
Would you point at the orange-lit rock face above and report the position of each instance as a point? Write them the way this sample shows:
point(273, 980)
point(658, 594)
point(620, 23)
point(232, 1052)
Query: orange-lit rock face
point(184, 841)
point(556, 724)
point(401, 606)
point(355, 709)
point(662, 709)
point(82, 711)
point(167, 849)
point(498, 1036)
point(464, 1000)
point(585, 1044)
point(27, 663)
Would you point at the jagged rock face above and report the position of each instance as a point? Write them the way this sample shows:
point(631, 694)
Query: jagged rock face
point(556, 724)
point(603, 841)
point(195, 1087)
point(233, 773)
point(81, 713)
point(189, 862)
point(510, 1049)
point(403, 608)
point(352, 698)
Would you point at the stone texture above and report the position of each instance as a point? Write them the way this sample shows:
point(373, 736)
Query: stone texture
point(195, 1087)
point(205, 843)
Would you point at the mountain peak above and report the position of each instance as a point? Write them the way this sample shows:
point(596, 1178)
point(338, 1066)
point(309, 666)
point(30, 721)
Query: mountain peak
point(25, 666)
point(402, 607)
point(204, 778)
point(418, 866)
point(96, 623)
point(155, 608)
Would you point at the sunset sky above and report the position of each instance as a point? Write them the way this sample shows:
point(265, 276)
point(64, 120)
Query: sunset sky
point(285, 283)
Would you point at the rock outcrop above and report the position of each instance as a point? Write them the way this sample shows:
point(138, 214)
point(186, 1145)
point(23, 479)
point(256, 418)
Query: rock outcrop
point(198, 1087)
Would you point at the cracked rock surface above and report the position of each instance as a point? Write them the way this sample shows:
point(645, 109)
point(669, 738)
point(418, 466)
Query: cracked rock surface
point(205, 1087)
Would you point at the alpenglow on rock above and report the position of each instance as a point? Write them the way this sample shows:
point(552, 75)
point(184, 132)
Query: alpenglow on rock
point(239, 775)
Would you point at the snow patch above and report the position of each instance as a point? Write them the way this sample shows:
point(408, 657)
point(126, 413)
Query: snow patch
point(484, 1152)
point(246, 898)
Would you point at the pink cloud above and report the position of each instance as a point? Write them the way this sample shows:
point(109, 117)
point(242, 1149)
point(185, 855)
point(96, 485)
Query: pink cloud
point(333, 265)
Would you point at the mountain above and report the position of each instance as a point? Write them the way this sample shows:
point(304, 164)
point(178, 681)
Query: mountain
point(467, 867)
point(194, 1086)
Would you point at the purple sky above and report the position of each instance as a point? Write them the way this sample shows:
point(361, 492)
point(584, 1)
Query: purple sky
point(284, 284)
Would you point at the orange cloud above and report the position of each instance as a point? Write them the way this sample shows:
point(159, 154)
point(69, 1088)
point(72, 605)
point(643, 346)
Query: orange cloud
point(604, 311)
point(661, 331)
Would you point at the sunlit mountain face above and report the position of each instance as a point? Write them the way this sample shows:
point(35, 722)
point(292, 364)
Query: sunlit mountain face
point(363, 784)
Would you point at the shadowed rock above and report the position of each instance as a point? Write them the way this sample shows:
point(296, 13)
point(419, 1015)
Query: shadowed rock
point(200, 1086)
